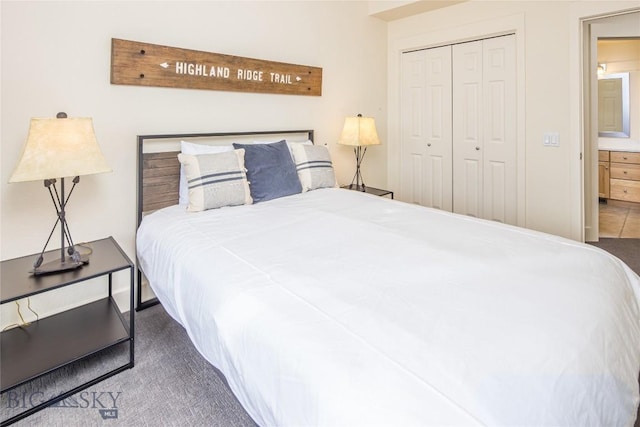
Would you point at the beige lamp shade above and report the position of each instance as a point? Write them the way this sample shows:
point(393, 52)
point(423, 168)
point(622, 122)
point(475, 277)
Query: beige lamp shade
point(58, 148)
point(359, 131)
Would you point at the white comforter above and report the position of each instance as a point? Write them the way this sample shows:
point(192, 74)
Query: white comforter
point(337, 308)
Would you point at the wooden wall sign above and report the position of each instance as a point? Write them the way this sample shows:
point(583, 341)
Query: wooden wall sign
point(145, 64)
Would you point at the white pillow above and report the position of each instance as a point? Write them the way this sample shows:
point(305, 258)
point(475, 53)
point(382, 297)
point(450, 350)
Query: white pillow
point(289, 143)
point(314, 166)
point(195, 149)
point(307, 142)
point(294, 143)
point(216, 180)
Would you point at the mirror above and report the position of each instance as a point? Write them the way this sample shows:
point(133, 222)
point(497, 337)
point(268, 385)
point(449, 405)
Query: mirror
point(613, 105)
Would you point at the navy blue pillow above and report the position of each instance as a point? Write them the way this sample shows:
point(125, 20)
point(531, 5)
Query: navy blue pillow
point(270, 171)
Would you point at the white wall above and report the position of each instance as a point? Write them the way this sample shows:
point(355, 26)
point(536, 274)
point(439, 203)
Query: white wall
point(56, 57)
point(550, 40)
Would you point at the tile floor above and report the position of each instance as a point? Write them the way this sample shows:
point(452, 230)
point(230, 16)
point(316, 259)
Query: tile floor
point(620, 219)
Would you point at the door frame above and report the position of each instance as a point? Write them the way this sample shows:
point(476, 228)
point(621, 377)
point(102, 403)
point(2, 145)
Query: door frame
point(513, 24)
point(590, 30)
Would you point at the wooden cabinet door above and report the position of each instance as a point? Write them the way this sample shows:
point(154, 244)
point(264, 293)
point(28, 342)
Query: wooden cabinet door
point(603, 180)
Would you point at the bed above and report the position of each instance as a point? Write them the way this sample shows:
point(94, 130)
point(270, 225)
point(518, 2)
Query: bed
point(332, 307)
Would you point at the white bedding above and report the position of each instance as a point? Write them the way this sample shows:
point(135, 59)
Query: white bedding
point(338, 308)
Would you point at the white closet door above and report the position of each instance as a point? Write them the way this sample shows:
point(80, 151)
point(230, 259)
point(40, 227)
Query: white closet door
point(426, 163)
point(500, 171)
point(467, 129)
point(484, 129)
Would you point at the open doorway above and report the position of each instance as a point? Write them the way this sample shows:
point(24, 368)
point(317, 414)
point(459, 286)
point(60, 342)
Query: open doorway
point(618, 148)
point(611, 161)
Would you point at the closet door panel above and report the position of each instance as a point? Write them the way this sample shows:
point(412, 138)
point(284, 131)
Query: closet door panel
point(467, 128)
point(416, 178)
point(440, 193)
point(467, 198)
point(458, 121)
point(426, 108)
point(495, 201)
point(499, 139)
point(438, 125)
point(413, 134)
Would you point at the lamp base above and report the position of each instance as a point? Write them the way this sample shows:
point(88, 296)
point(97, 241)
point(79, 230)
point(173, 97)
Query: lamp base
point(64, 263)
point(357, 187)
point(57, 266)
point(357, 177)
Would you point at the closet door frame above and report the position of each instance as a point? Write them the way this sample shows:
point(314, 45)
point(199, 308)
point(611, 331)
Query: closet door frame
point(458, 128)
point(514, 24)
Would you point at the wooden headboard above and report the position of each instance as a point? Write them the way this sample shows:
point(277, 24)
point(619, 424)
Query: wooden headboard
point(159, 168)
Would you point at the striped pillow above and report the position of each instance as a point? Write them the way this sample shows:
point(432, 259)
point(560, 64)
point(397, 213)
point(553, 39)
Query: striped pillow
point(314, 167)
point(216, 180)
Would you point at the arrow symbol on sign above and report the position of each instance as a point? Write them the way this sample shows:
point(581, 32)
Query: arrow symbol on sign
point(164, 65)
point(298, 78)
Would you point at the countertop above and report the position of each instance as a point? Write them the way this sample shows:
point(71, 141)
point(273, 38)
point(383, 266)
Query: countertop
point(619, 145)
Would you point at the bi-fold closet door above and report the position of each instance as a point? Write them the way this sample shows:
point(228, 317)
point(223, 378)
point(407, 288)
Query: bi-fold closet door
point(458, 128)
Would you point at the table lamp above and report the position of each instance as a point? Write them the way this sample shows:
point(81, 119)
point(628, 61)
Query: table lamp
point(359, 132)
point(57, 148)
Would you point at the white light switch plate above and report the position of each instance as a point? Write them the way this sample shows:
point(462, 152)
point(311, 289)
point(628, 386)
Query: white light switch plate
point(551, 139)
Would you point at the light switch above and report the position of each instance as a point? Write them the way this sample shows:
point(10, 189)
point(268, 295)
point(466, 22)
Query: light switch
point(551, 139)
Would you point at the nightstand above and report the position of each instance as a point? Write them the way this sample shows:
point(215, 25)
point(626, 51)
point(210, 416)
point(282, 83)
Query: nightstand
point(56, 341)
point(370, 190)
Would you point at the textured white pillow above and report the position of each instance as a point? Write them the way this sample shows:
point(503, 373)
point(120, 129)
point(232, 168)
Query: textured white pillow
point(314, 167)
point(216, 180)
point(195, 149)
point(289, 143)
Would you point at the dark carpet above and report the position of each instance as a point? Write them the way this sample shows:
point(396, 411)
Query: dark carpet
point(628, 250)
point(170, 385)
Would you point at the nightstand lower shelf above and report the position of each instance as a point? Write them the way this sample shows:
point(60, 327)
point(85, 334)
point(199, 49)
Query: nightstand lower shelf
point(58, 340)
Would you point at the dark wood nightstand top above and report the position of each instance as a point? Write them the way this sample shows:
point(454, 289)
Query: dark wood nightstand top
point(17, 282)
point(370, 190)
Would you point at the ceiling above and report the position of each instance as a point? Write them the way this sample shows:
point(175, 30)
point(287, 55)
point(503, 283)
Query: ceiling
point(390, 10)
